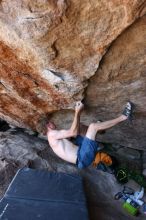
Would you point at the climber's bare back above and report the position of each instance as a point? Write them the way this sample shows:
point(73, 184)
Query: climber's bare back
point(64, 148)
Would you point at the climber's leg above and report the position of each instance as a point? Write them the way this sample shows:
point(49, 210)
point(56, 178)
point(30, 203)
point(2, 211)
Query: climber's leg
point(94, 128)
point(89, 146)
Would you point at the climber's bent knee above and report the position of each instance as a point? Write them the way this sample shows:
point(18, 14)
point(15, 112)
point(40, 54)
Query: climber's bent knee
point(91, 131)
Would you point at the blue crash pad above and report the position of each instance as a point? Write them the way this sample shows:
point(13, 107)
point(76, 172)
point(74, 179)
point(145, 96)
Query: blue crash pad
point(37, 194)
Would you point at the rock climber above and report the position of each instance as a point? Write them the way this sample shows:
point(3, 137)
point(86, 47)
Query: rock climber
point(83, 151)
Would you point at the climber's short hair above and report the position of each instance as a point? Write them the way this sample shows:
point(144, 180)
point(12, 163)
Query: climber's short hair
point(44, 124)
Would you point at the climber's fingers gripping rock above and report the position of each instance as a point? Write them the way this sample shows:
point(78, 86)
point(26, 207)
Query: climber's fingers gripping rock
point(79, 106)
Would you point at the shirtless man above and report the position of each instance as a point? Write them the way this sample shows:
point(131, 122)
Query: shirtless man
point(83, 152)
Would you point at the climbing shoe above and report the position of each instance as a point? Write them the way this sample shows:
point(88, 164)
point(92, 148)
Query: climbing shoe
point(128, 110)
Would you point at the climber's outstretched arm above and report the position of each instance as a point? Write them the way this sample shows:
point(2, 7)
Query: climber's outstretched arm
point(74, 129)
point(76, 122)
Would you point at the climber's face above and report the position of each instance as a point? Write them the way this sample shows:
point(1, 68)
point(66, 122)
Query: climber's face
point(51, 126)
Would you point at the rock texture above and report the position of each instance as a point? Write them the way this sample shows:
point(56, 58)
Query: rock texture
point(7, 171)
point(54, 52)
point(49, 51)
point(122, 77)
point(18, 148)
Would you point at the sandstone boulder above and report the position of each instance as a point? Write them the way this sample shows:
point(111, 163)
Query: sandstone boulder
point(49, 50)
point(122, 77)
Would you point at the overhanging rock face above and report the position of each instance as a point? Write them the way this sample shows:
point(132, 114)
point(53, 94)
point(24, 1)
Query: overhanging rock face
point(122, 77)
point(50, 49)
